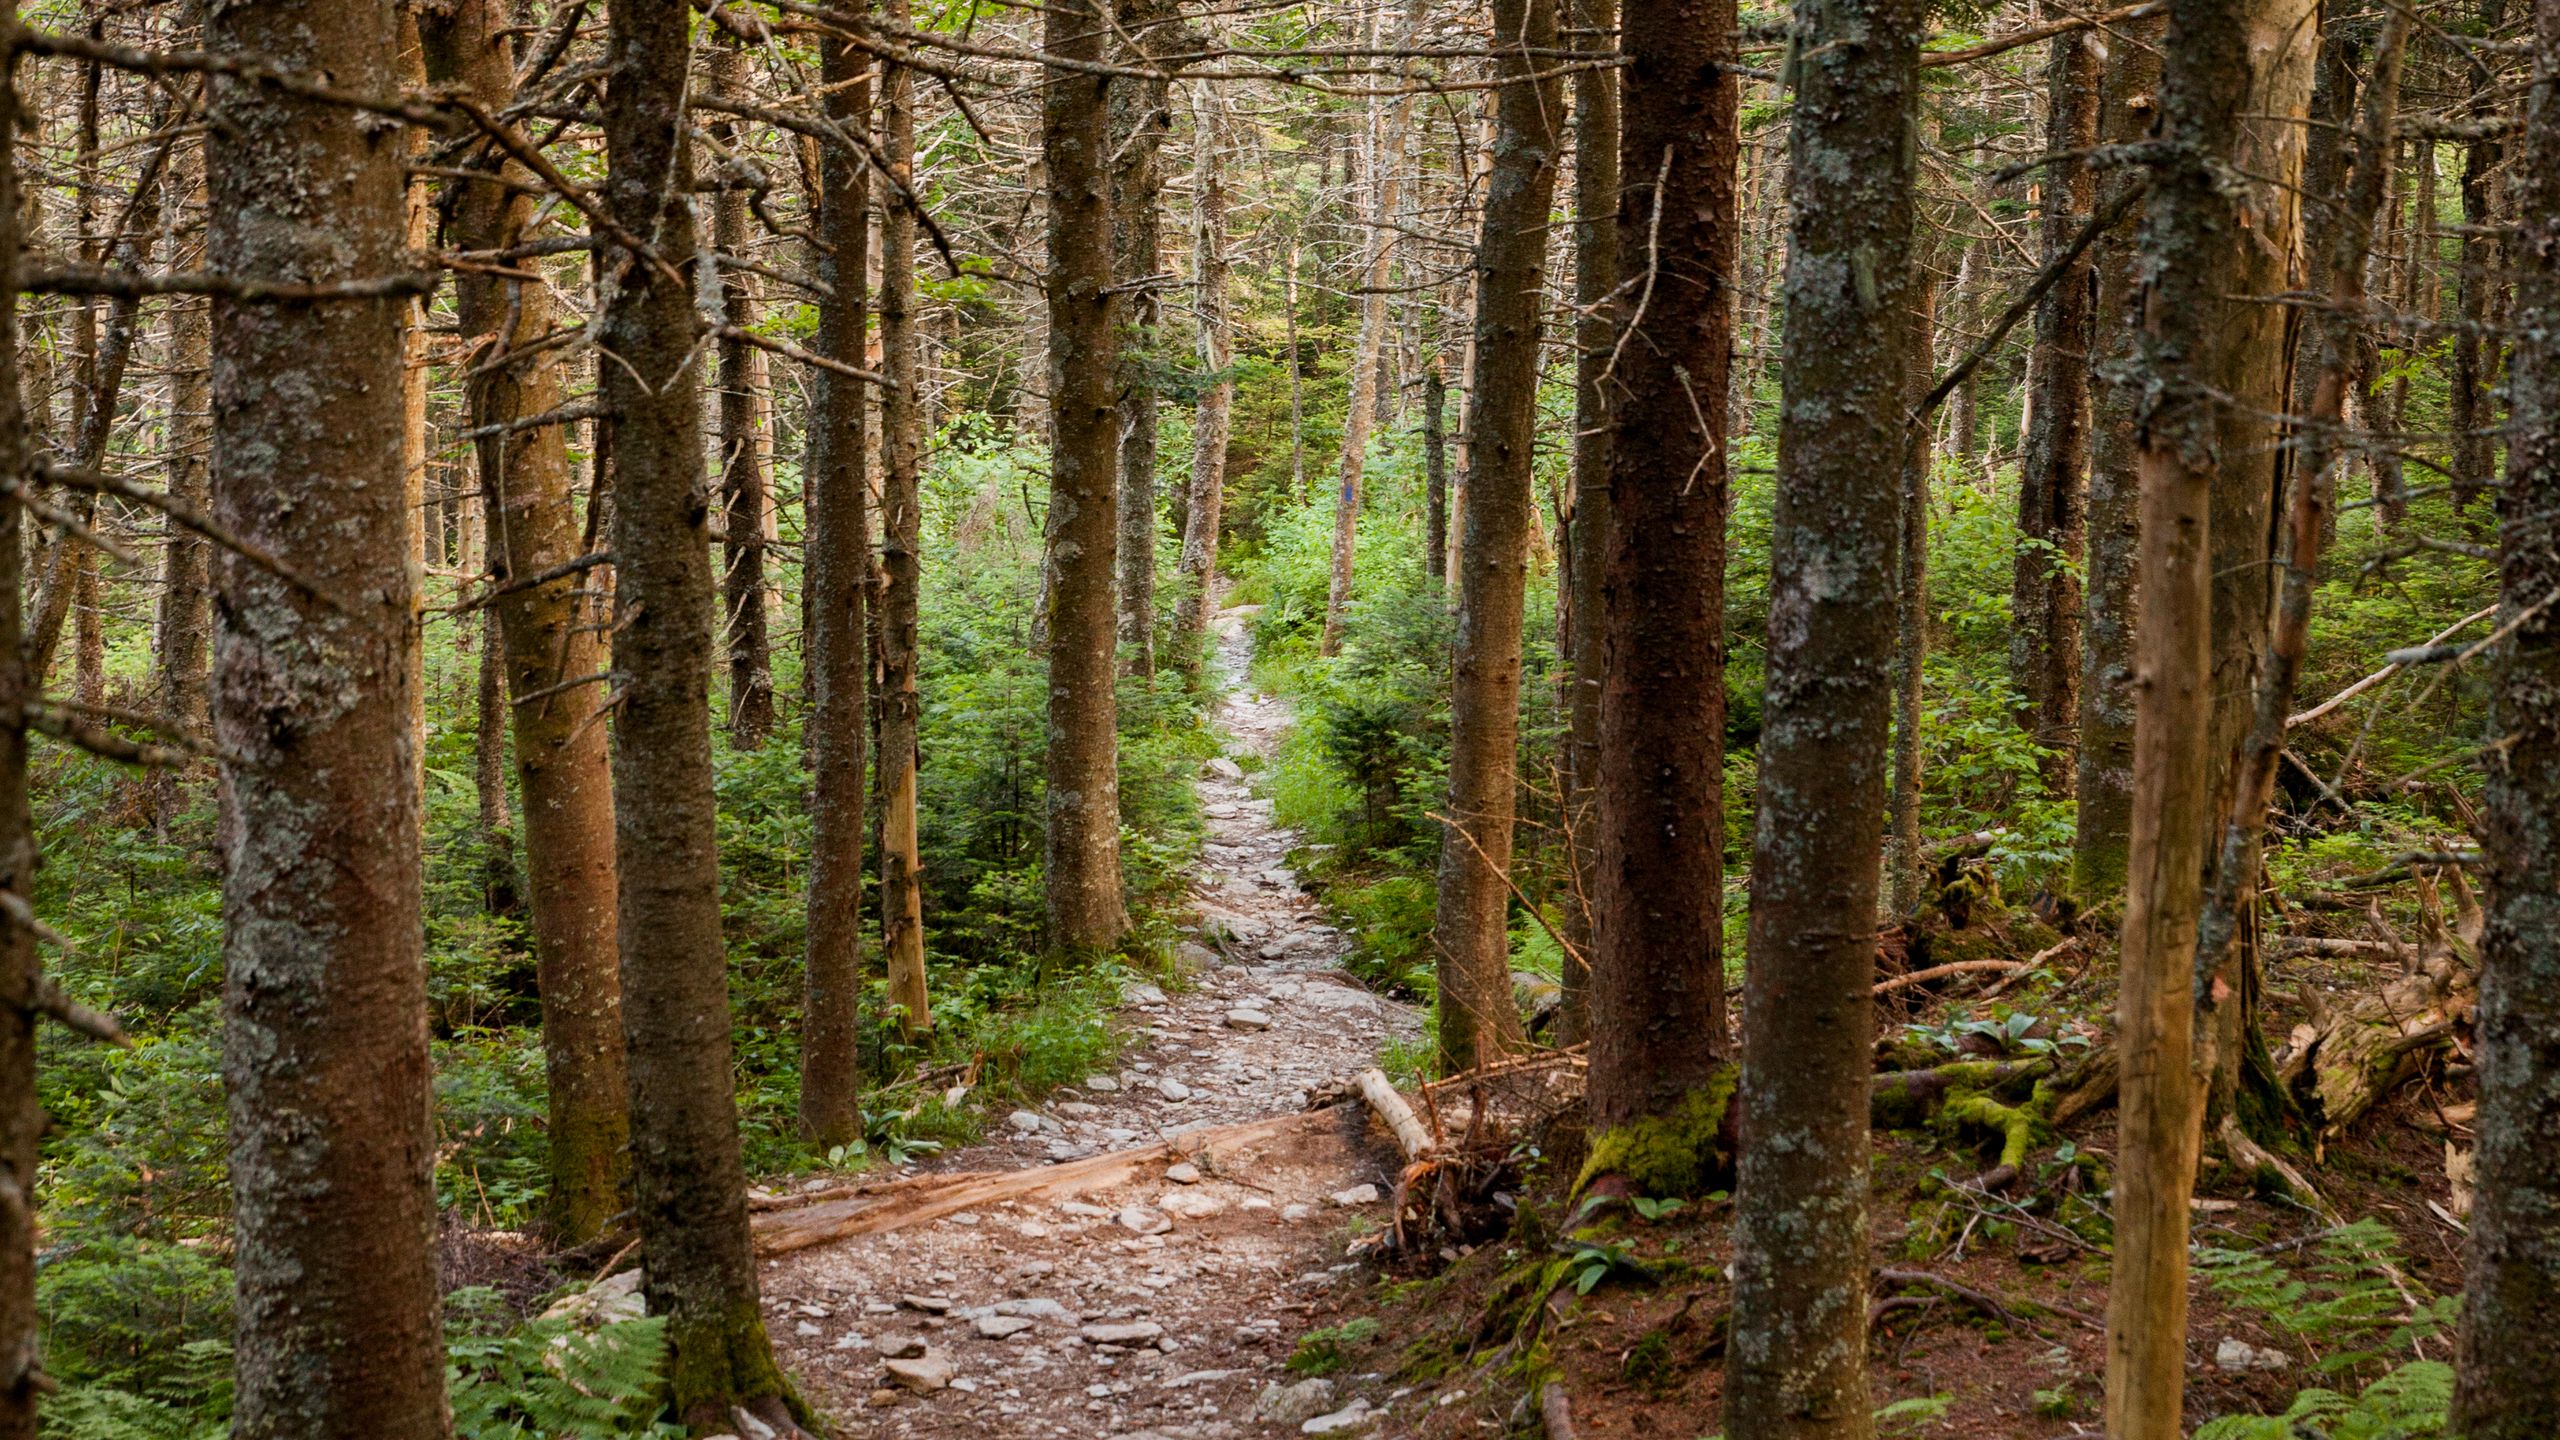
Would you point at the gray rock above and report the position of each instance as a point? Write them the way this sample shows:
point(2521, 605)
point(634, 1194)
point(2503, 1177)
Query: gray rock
point(901, 1347)
point(1101, 1083)
point(1356, 1195)
point(2239, 1357)
point(1226, 768)
point(1024, 1121)
point(1123, 1332)
point(1001, 1327)
point(1142, 994)
point(1143, 1220)
point(1173, 1090)
point(929, 1304)
point(1248, 1019)
point(1292, 1404)
point(1182, 1172)
point(922, 1373)
point(1192, 957)
point(1078, 1109)
point(1038, 1308)
point(1353, 1417)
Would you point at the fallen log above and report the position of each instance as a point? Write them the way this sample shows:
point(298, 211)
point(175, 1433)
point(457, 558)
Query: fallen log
point(1941, 972)
point(1411, 1136)
point(1555, 1411)
point(899, 1204)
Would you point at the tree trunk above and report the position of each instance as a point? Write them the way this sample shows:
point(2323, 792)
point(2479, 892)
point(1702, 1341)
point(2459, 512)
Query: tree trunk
point(2510, 1344)
point(744, 492)
point(1297, 377)
point(2045, 606)
point(1796, 1363)
point(185, 621)
point(1086, 914)
point(1210, 423)
point(689, 1178)
point(1435, 474)
point(835, 639)
point(2205, 336)
point(549, 637)
point(498, 893)
point(339, 1330)
point(2471, 413)
point(2104, 778)
point(1903, 855)
point(902, 559)
point(1141, 114)
point(1656, 764)
point(1478, 1019)
point(1595, 274)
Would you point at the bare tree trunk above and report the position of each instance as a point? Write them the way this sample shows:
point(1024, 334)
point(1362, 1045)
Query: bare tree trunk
point(2045, 605)
point(1086, 914)
point(1210, 424)
point(498, 894)
point(2471, 412)
point(2510, 1345)
point(2204, 337)
point(1141, 114)
point(1478, 1019)
point(1656, 776)
point(744, 491)
point(1796, 1363)
point(902, 559)
point(689, 1177)
point(1903, 856)
point(835, 642)
point(2104, 782)
point(1586, 551)
point(548, 635)
point(339, 1330)
point(1297, 378)
point(1435, 474)
point(186, 618)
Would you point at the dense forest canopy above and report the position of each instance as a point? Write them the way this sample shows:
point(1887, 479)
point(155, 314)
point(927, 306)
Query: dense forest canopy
point(1709, 708)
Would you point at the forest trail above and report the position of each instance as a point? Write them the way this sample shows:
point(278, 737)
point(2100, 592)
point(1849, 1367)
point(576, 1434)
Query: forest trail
point(1165, 1305)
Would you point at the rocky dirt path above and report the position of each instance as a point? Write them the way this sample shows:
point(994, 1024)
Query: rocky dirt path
point(1164, 1308)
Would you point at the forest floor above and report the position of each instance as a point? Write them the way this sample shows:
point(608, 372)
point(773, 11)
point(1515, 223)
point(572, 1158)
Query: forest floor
point(1167, 1304)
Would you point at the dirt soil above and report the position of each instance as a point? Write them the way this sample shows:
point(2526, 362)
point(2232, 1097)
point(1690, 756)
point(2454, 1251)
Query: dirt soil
point(1160, 1308)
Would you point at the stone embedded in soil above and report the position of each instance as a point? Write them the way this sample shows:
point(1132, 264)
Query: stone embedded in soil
point(2240, 1357)
point(1142, 994)
point(901, 1347)
point(1182, 1172)
point(1291, 1404)
point(1173, 1090)
point(1101, 1084)
point(1190, 1204)
point(1123, 1332)
point(1248, 1019)
point(1225, 768)
point(929, 1304)
point(882, 1399)
point(1000, 1327)
point(1024, 1121)
point(1356, 1195)
point(923, 1373)
point(1143, 1220)
point(1355, 1416)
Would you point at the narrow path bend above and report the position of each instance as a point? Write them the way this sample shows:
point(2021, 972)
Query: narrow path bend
point(1158, 1309)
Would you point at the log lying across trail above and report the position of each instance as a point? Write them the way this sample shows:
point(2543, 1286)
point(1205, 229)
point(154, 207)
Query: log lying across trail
point(898, 1204)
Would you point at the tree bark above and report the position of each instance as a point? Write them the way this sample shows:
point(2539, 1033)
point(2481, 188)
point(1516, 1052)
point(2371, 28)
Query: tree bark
point(1903, 855)
point(689, 1177)
point(548, 635)
point(2510, 1344)
point(2471, 413)
point(325, 1062)
point(1086, 913)
point(2045, 604)
point(1478, 1019)
point(1656, 765)
point(1141, 115)
point(1586, 551)
point(835, 640)
point(902, 560)
point(1212, 420)
point(2205, 337)
point(2104, 772)
point(1435, 474)
point(744, 491)
point(1796, 1364)
point(185, 620)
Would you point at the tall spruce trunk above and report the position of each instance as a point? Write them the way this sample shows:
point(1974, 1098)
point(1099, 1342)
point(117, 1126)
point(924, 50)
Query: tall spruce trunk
point(339, 1327)
point(902, 561)
point(2202, 468)
point(1796, 1363)
point(2045, 603)
point(2471, 413)
point(184, 627)
point(1657, 1029)
point(1478, 1019)
point(1904, 854)
point(1435, 473)
point(688, 1175)
point(744, 489)
point(2510, 1346)
point(2103, 779)
point(1213, 418)
point(1586, 551)
point(835, 642)
point(1141, 115)
point(549, 637)
point(1085, 911)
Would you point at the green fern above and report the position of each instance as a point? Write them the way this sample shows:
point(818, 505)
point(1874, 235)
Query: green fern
point(549, 1380)
point(2346, 1311)
point(2410, 1403)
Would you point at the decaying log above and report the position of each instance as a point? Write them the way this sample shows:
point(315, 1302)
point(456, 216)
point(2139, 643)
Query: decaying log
point(1941, 972)
point(1411, 1135)
point(1555, 1411)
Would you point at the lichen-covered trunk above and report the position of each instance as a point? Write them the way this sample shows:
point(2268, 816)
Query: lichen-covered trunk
point(1903, 854)
point(2203, 467)
point(688, 1174)
point(1478, 1018)
point(1213, 418)
point(1586, 547)
point(1656, 764)
point(835, 643)
point(2103, 778)
point(901, 562)
point(548, 635)
point(2471, 413)
point(744, 490)
point(338, 1328)
point(1086, 912)
point(2510, 1345)
point(2044, 603)
point(1796, 1364)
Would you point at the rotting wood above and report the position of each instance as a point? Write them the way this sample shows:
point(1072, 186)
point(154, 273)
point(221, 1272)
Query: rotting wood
point(1410, 1133)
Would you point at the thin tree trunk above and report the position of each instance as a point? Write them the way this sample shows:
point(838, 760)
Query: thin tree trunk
point(498, 894)
point(2104, 779)
point(2510, 1343)
point(1211, 421)
point(548, 635)
point(185, 620)
point(2045, 604)
point(2204, 337)
point(689, 1177)
point(1903, 853)
point(1435, 474)
point(1297, 378)
point(1478, 1020)
point(1140, 116)
point(339, 1330)
point(1656, 779)
point(744, 490)
point(835, 642)
point(2471, 412)
point(1796, 1363)
point(1086, 914)
point(902, 558)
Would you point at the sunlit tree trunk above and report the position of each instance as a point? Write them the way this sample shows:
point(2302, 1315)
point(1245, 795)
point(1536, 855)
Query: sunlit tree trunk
point(902, 560)
point(744, 491)
point(1212, 419)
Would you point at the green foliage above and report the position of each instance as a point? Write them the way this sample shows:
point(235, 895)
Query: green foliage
point(1322, 1352)
point(2348, 1310)
point(550, 1380)
point(1670, 1155)
point(141, 1318)
point(1910, 1416)
point(2411, 1403)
